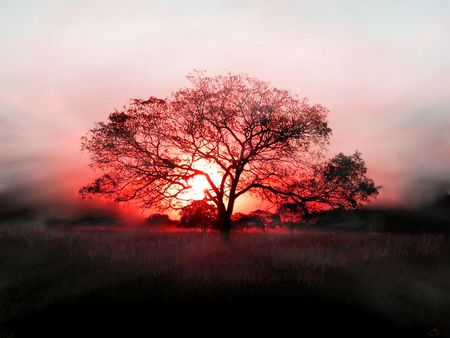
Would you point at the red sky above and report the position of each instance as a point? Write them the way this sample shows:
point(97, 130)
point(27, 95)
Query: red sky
point(382, 69)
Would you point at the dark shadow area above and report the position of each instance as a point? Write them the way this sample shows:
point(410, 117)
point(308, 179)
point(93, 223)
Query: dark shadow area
point(86, 219)
point(17, 207)
point(431, 218)
point(15, 211)
point(63, 283)
point(133, 308)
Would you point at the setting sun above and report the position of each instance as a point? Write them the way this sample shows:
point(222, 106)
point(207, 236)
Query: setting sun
point(199, 184)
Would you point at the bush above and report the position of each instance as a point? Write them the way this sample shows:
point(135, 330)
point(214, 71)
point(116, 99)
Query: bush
point(159, 219)
point(199, 214)
point(260, 219)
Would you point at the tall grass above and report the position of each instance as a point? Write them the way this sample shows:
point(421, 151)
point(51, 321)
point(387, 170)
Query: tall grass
point(401, 277)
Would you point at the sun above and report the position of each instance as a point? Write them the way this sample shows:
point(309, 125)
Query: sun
point(199, 184)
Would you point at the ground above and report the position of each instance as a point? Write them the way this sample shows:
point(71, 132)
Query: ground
point(64, 281)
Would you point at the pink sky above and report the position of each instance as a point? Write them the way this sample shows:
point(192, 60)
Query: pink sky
point(381, 67)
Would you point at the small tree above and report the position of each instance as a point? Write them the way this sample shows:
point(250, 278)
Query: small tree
point(199, 214)
point(259, 139)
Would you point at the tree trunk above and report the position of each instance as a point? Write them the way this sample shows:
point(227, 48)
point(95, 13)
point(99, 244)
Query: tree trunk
point(225, 235)
point(224, 224)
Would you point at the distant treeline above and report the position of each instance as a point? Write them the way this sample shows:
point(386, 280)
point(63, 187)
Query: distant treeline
point(433, 218)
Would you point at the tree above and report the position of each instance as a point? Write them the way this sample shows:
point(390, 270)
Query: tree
point(258, 139)
point(339, 183)
point(261, 219)
point(158, 219)
point(198, 214)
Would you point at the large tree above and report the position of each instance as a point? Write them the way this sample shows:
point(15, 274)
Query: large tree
point(253, 137)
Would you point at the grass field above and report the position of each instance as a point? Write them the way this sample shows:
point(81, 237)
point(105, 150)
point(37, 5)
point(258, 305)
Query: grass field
point(62, 282)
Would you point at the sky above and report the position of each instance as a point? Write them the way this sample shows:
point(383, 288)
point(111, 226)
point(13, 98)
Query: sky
point(382, 68)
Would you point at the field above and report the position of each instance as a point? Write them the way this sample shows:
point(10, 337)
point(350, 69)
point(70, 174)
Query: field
point(72, 282)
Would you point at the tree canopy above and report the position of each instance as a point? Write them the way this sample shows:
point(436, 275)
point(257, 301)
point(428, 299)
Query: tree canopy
point(198, 214)
point(254, 138)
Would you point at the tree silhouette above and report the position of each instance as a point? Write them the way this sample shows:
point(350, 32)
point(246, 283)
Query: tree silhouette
point(261, 219)
point(258, 139)
point(198, 214)
point(340, 183)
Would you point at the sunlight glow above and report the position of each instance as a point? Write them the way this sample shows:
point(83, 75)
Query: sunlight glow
point(199, 184)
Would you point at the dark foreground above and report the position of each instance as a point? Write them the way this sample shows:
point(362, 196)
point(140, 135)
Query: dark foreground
point(71, 283)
